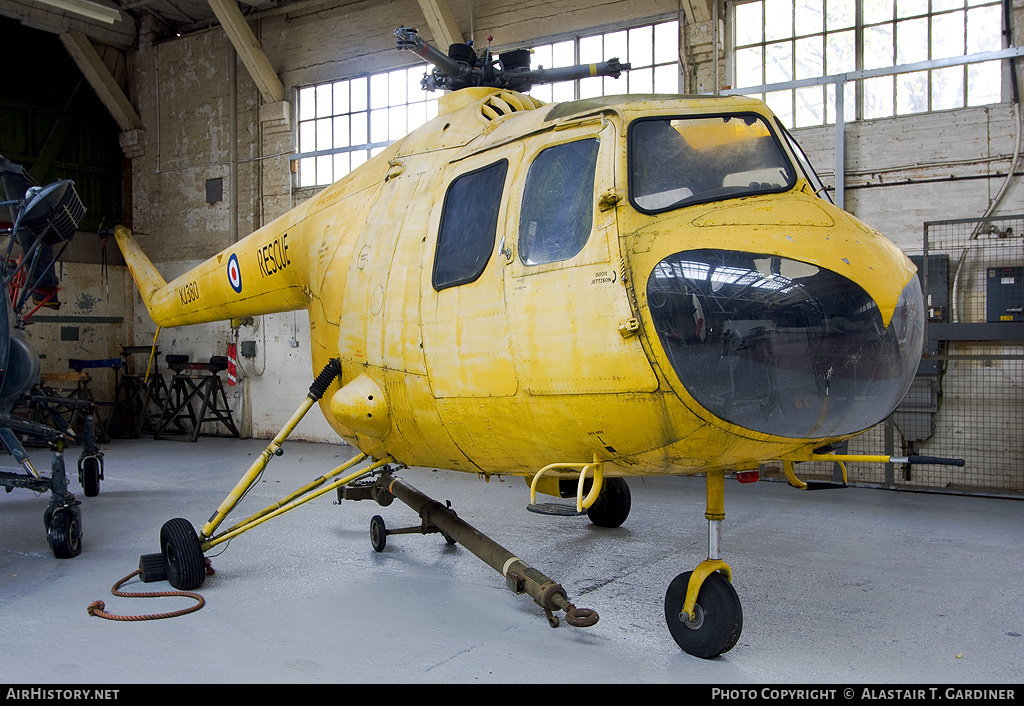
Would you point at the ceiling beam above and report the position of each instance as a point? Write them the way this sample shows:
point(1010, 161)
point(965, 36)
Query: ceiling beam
point(697, 10)
point(249, 49)
point(442, 23)
point(100, 78)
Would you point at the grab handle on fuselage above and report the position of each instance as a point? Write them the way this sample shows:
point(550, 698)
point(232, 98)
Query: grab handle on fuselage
point(582, 503)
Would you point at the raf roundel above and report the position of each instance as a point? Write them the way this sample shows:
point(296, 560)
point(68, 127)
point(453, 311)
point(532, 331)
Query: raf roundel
point(234, 274)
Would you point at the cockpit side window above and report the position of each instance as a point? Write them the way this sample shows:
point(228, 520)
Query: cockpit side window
point(557, 213)
point(469, 224)
point(677, 162)
point(805, 165)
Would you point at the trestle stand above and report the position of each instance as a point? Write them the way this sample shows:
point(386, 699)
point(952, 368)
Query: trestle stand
point(520, 577)
point(195, 382)
point(702, 609)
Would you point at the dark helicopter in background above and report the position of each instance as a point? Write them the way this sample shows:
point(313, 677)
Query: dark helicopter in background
point(42, 220)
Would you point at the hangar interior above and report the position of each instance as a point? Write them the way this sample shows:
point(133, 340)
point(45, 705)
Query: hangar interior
point(195, 122)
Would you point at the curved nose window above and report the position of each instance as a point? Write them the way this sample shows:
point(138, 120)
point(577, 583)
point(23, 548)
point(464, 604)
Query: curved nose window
point(780, 346)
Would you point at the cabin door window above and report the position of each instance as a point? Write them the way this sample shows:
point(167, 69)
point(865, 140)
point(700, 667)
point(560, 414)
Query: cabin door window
point(558, 203)
point(469, 223)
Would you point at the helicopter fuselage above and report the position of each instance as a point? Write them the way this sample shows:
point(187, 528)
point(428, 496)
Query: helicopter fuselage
point(654, 282)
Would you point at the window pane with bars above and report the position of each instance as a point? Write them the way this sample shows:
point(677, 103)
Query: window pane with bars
point(651, 50)
point(345, 122)
point(776, 41)
point(342, 122)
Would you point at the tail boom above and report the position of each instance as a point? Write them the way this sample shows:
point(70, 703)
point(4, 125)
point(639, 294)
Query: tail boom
point(260, 274)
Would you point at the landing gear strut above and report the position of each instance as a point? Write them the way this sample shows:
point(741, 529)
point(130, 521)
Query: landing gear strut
point(62, 518)
point(702, 609)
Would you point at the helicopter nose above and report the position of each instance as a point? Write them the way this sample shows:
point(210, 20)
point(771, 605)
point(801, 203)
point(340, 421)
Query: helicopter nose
point(783, 347)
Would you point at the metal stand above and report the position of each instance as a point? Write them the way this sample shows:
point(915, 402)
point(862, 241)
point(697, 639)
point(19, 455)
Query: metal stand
point(195, 382)
point(139, 399)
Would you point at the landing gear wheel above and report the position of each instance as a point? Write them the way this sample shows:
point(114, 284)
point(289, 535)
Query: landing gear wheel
point(612, 505)
point(186, 568)
point(64, 533)
point(89, 475)
point(378, 533)
point(719, 617)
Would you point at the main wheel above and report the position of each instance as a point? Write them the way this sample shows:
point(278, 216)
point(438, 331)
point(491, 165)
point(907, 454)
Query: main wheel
point(378, 533)
point(719, 617)
point(612, 505)
point(186, 568)
point(89, 475)
point(64, 533)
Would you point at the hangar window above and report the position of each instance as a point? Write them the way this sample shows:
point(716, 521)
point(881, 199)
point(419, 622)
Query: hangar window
point(782, 41)
point(652, 50)
point(558, 203)
point(469, 224)
point(344, 123)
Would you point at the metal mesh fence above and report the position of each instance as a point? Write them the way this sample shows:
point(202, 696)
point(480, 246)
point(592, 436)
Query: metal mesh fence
point(967, 400)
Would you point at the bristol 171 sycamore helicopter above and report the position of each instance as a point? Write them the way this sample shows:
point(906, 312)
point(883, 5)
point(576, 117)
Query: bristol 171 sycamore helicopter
point(639, 285)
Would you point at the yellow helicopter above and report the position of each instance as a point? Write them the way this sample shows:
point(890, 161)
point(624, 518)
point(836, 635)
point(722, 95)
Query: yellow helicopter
point(576, 293)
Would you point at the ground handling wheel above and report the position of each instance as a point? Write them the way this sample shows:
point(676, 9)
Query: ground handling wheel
point(719, 618)
point(183, 555)
point(378, 533)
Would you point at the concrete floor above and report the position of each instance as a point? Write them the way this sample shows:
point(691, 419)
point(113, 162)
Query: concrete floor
point(858, 586)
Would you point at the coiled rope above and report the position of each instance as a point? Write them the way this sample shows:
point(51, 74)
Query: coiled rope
point(97, 608)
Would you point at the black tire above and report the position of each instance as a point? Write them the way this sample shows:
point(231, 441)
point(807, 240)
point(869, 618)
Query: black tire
point(186, 567)
point(378, 533)
point(719, 616)
point(90, 476)
point(612, 505)
point(65, 534)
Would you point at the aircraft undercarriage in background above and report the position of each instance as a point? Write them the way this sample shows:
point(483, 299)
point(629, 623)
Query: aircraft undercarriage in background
point(43, 221)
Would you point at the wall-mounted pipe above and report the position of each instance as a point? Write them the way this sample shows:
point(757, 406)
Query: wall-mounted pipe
point(233, 145)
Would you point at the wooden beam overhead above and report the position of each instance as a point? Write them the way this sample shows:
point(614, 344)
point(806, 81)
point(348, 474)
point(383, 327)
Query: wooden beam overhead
point(697, 10)
point(100, 78)
point(442, 23)
point(249, 50)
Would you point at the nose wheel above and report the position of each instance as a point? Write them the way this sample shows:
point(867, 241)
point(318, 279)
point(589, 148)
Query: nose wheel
point(716, 621)
point(702, 609)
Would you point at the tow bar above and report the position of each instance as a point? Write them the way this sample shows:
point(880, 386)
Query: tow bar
point(436, 518)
